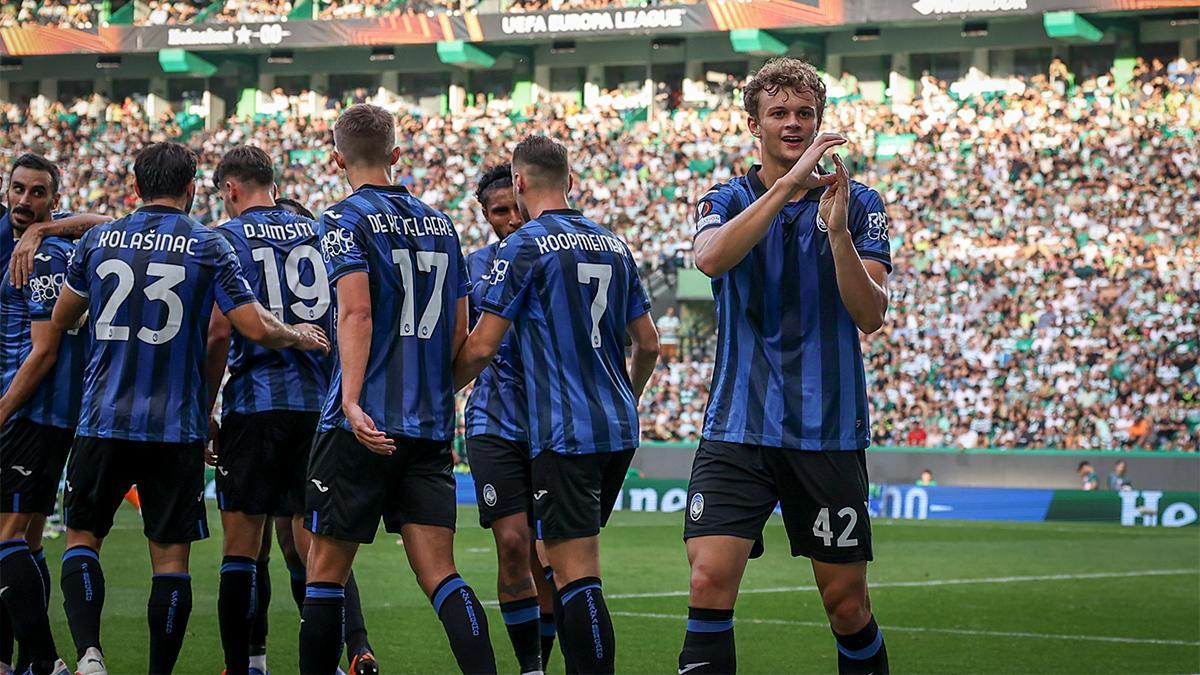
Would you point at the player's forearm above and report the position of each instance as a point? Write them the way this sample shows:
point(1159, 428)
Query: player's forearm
point(28, 378)
point(218, 354)
point(71, 227)
point(728, 244)
point(354, 348)
point(641, 366)
point(865, 300)
point(469, 362)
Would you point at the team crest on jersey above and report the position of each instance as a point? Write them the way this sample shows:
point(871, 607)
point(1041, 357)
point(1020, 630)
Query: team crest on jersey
point(489, 495)
point(822, 225)
point(697, 507)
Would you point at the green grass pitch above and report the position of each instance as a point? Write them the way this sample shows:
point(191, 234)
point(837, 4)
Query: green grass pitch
point(951, 596)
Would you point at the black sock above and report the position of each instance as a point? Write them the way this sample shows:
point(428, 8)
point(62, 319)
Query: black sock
point(708, 646)
point(26, 604)
point(548, 627)
point(262, 604)
point(167, 615)
point(296, 575)
point(863, 652)
point(356, 626)
point(466, 625)
point(322, 628)
point(39, 557)
point(83, 596)
point(547, 631)
point(568, 665)
point(6, 636)
point(587, 631)
point(521, 618)
point(235, 610)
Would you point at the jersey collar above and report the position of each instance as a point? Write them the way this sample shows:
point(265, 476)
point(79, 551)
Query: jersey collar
point(759, 189)
point(400, 189)
point(159, 208)
point(257, 209)
point(561, 212)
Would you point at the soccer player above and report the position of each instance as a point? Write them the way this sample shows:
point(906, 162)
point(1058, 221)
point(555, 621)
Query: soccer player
point(571, 292)
point(498, 452)
point(41, 376)
point(148, 282)
point(272, 399)
point(799, 262)
point(383, 447)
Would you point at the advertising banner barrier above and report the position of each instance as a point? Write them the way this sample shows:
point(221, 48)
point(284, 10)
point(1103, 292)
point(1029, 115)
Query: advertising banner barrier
point(1140, 508)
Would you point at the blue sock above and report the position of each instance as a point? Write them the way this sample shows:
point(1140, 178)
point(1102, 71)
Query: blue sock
point(862, 652)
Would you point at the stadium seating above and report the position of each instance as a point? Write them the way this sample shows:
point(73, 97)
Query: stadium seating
point(1038, 233)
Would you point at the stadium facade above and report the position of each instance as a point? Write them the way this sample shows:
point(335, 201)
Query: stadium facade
point(439, 61)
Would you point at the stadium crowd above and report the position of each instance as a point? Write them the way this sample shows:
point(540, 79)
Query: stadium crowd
point(1046, 239)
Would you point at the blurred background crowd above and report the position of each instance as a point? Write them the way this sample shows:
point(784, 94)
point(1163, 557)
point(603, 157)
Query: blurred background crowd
point(1046, 238)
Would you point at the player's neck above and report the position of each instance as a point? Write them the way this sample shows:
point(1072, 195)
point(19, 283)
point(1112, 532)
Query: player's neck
point(538, 204)
point(259, 200)
point(368, 175)
point(771, 172)
point(180, 204)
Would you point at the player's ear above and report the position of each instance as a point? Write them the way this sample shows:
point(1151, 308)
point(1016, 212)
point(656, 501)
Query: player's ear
point(338, 160)
point(570, 182)
point(752, 125)
point(395, 157)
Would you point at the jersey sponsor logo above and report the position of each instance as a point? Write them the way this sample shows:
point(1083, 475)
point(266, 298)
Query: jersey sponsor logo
point(337, 242)
point(42, 256)
point(46, 287)
point(489, 495)
point(696, 509)
point(320, 487)
point(499, 271)
point(22, 470)
point(877, 226)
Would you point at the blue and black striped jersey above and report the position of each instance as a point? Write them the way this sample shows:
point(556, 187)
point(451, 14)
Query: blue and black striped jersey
point(496, 406)
point(150, 280)
point(280, 256)
point(415, 268)
point(571, 287)
point(789, 369)
point(56, 401)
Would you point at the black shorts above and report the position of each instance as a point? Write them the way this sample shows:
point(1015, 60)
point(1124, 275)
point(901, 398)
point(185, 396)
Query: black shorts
point(32, 457)
point(262, 461)
point(500, 468)
point(350, 488)
point(573, 495)
point(823, 495)
point(169, 479)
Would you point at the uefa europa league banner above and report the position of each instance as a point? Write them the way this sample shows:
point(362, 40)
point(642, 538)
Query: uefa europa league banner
point(699, 17)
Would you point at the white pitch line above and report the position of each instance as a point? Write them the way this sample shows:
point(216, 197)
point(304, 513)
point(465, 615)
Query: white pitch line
point(931, 582)
point(949, 631)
